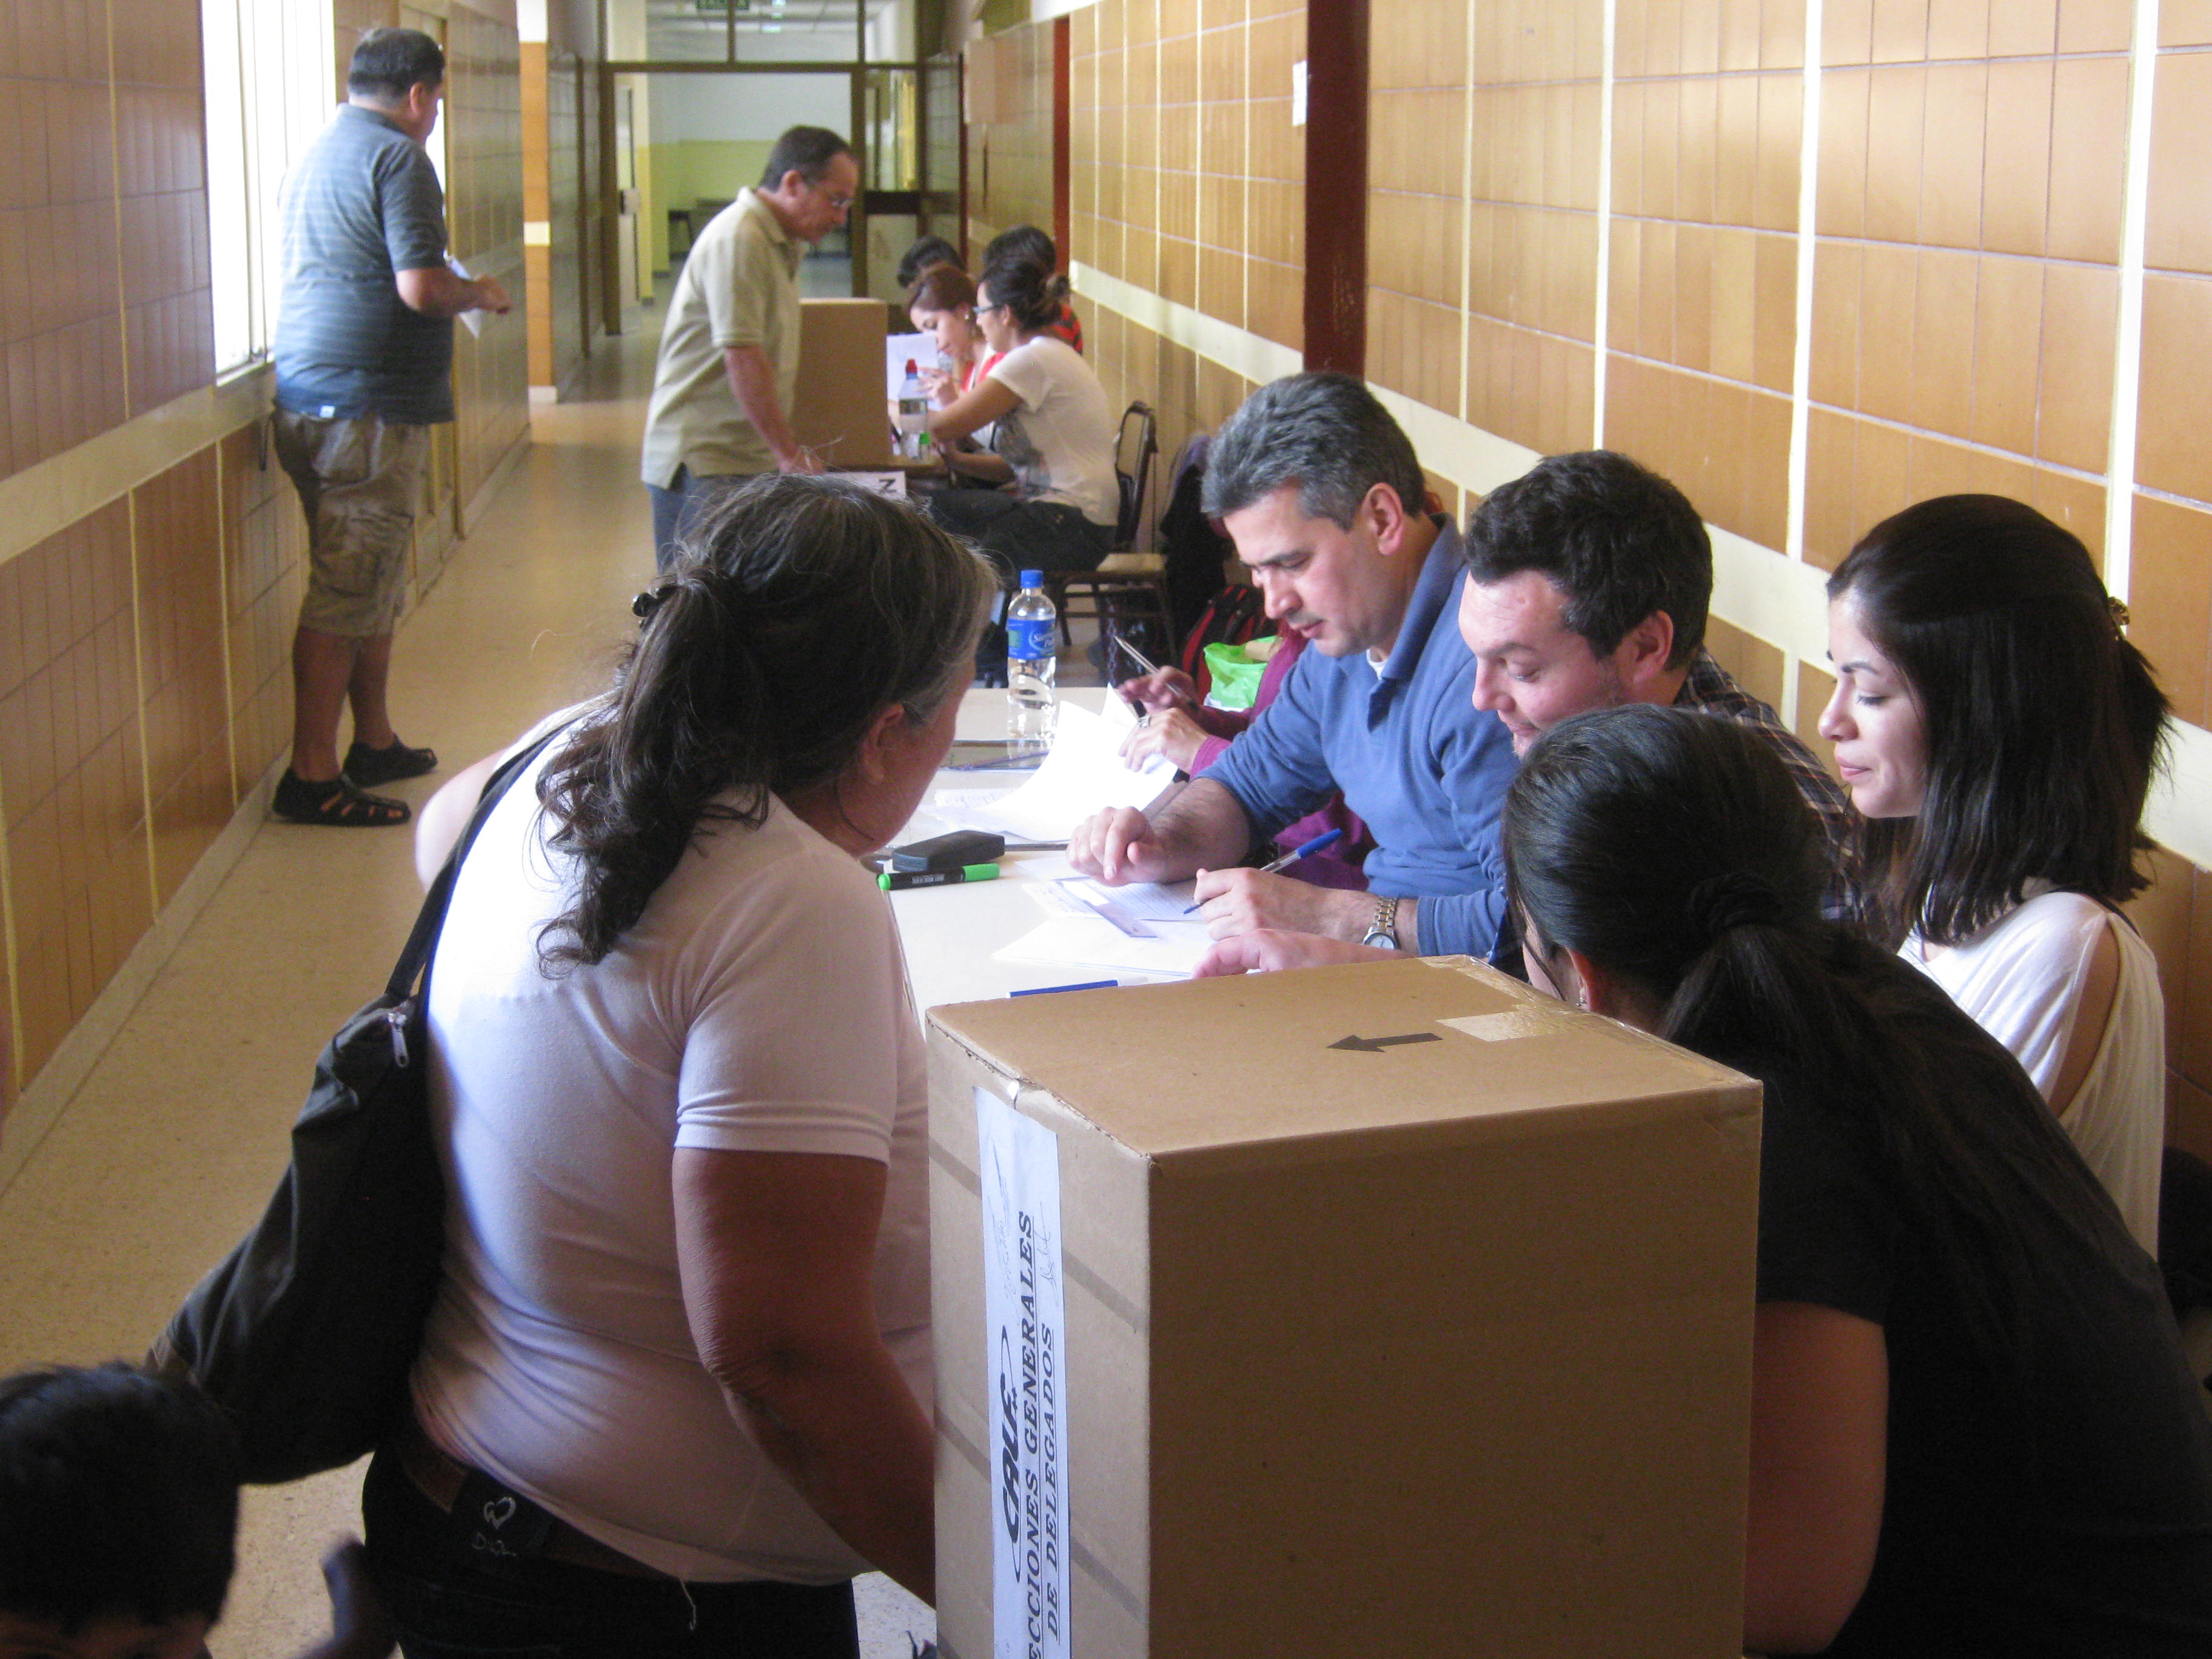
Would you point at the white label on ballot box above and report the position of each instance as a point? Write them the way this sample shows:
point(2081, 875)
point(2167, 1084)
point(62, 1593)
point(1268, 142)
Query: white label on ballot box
point(1025, 1326)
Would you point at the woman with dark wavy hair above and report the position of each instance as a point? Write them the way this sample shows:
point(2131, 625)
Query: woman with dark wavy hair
point(1999, 734)
point(1973, 1431)
point(676, 1384)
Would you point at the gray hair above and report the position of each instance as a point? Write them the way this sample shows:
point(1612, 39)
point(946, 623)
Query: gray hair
point(1324, 433)
point(807, 151)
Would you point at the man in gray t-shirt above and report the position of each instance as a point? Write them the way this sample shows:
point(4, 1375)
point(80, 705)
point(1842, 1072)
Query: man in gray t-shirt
point(364, 353)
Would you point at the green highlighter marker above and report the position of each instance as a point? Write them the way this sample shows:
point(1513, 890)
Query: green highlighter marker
point(895, 881)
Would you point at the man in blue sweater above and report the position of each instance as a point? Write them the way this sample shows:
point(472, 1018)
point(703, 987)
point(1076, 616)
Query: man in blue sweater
point(1322, 493)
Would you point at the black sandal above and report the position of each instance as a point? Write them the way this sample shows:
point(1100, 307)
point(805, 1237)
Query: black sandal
point(334, 801)
point(365, 768)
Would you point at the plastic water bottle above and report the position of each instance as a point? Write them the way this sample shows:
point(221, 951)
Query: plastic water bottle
point(913, 413)
point(1032, 663)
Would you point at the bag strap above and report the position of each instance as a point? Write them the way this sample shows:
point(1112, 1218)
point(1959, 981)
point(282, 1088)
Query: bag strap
point(432, 916)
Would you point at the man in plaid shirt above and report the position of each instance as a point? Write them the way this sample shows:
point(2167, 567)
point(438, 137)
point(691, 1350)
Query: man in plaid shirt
point(1588, 581)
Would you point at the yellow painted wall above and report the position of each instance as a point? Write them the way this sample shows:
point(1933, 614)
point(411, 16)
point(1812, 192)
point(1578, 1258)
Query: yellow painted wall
point(692, 170)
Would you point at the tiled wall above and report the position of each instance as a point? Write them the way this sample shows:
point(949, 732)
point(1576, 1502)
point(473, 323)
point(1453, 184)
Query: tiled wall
point(1966, 284)
point(1187, 182)
point(1010, 149)
point(1536, 288)
point(941, 147)
point(144, 682)
point(484, 210)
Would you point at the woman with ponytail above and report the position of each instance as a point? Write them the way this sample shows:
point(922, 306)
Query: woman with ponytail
point(1054, 440)
point(1998, 733)
point(1973, 1431)
point(675, 1390)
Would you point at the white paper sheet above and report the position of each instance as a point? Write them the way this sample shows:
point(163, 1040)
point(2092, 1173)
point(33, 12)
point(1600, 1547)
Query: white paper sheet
point(472, 319)
point(1147, 901)
point(898, 350)
point(1095, 942)
point(1083, 774)
point(1025, 1346)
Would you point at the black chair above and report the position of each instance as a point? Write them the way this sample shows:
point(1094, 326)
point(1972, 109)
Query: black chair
point(1128, 594)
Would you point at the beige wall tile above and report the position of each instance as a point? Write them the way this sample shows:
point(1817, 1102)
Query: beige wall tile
point(1958, 28)
point(2015, 200)
point(2171, 451)
point(2007, 312)
point(1775, 343)
point(2023, 28)
point(1942, 357)
point(2170, 596)
point(1841, 209)
point(1847, 32)
point(2088, 116)
point(2178, 233)
point(2095, 25)
point(2184, 23)
point(2081, 305)
point(2078, 503)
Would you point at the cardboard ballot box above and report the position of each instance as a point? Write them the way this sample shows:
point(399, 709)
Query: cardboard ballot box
point(1365, 1311)
point(839, 411)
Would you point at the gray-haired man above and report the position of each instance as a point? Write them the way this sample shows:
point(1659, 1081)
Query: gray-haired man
point(729, 352)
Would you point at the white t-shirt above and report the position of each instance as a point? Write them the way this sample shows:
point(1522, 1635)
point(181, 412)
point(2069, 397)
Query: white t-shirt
point(2020, 978)
point(759, 1005)
point(1060, 440)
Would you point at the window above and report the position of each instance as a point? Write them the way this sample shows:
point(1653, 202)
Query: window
point(269, 91)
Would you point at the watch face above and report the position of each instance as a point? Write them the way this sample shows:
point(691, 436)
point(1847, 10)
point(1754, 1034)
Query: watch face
point(1379, 941)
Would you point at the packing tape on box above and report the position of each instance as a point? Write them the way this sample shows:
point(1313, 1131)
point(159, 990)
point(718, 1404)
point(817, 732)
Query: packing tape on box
point(1517, 1023)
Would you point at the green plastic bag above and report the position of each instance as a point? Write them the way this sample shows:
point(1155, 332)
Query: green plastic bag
point(1235, 676)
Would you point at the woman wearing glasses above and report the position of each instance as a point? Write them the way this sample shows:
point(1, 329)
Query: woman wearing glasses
point(1053, 450)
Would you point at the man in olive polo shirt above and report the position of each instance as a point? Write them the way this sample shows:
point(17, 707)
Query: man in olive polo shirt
point(729, 352)
point(364, 354)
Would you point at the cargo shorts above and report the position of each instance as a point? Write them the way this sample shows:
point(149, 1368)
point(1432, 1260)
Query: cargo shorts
point(358, 477)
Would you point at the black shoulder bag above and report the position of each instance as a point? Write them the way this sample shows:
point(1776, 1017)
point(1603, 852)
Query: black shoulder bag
point(305, 1333)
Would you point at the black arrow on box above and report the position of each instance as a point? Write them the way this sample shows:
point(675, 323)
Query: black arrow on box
point(1377, 1045)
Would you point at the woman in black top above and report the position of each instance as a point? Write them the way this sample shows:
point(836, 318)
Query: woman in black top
point(1973, 1431)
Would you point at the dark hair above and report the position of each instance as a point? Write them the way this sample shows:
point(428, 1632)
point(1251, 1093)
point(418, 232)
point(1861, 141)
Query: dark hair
point(1030, 292)
point(1618, 540)
point(941, 287)
point(1024, 242)
point(798, 609)
point(1672, 850)
point(118, 1497)
point(928, 251)
point(1322, 431)
point(807, 151)
point(389, 64)
point(2043, 723)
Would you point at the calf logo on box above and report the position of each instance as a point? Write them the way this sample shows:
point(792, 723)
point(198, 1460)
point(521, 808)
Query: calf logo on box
point(1025, 1326)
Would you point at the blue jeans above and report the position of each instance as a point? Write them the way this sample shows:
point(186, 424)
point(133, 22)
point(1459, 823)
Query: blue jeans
point(675, 508)
point(1016, 535)
point(449, 1601)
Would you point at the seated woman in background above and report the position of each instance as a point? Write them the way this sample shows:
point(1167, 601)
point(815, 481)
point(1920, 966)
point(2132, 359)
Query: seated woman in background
point(942, 305)
point(1973, 1431)
point(1999, 734)
point(921, 254)
point(1028, 242)
point(1053, 442)
point(684, 1335)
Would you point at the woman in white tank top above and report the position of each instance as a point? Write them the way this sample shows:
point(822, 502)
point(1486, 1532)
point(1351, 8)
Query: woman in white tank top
point(1999, 733)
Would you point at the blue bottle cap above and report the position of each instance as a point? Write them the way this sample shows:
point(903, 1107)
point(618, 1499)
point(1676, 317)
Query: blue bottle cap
point(1032, 579)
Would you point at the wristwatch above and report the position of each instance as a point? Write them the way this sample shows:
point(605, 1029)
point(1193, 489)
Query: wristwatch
point(1382, 933)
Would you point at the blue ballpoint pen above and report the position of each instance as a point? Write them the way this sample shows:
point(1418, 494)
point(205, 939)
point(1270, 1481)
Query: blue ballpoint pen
point(1327, 838)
